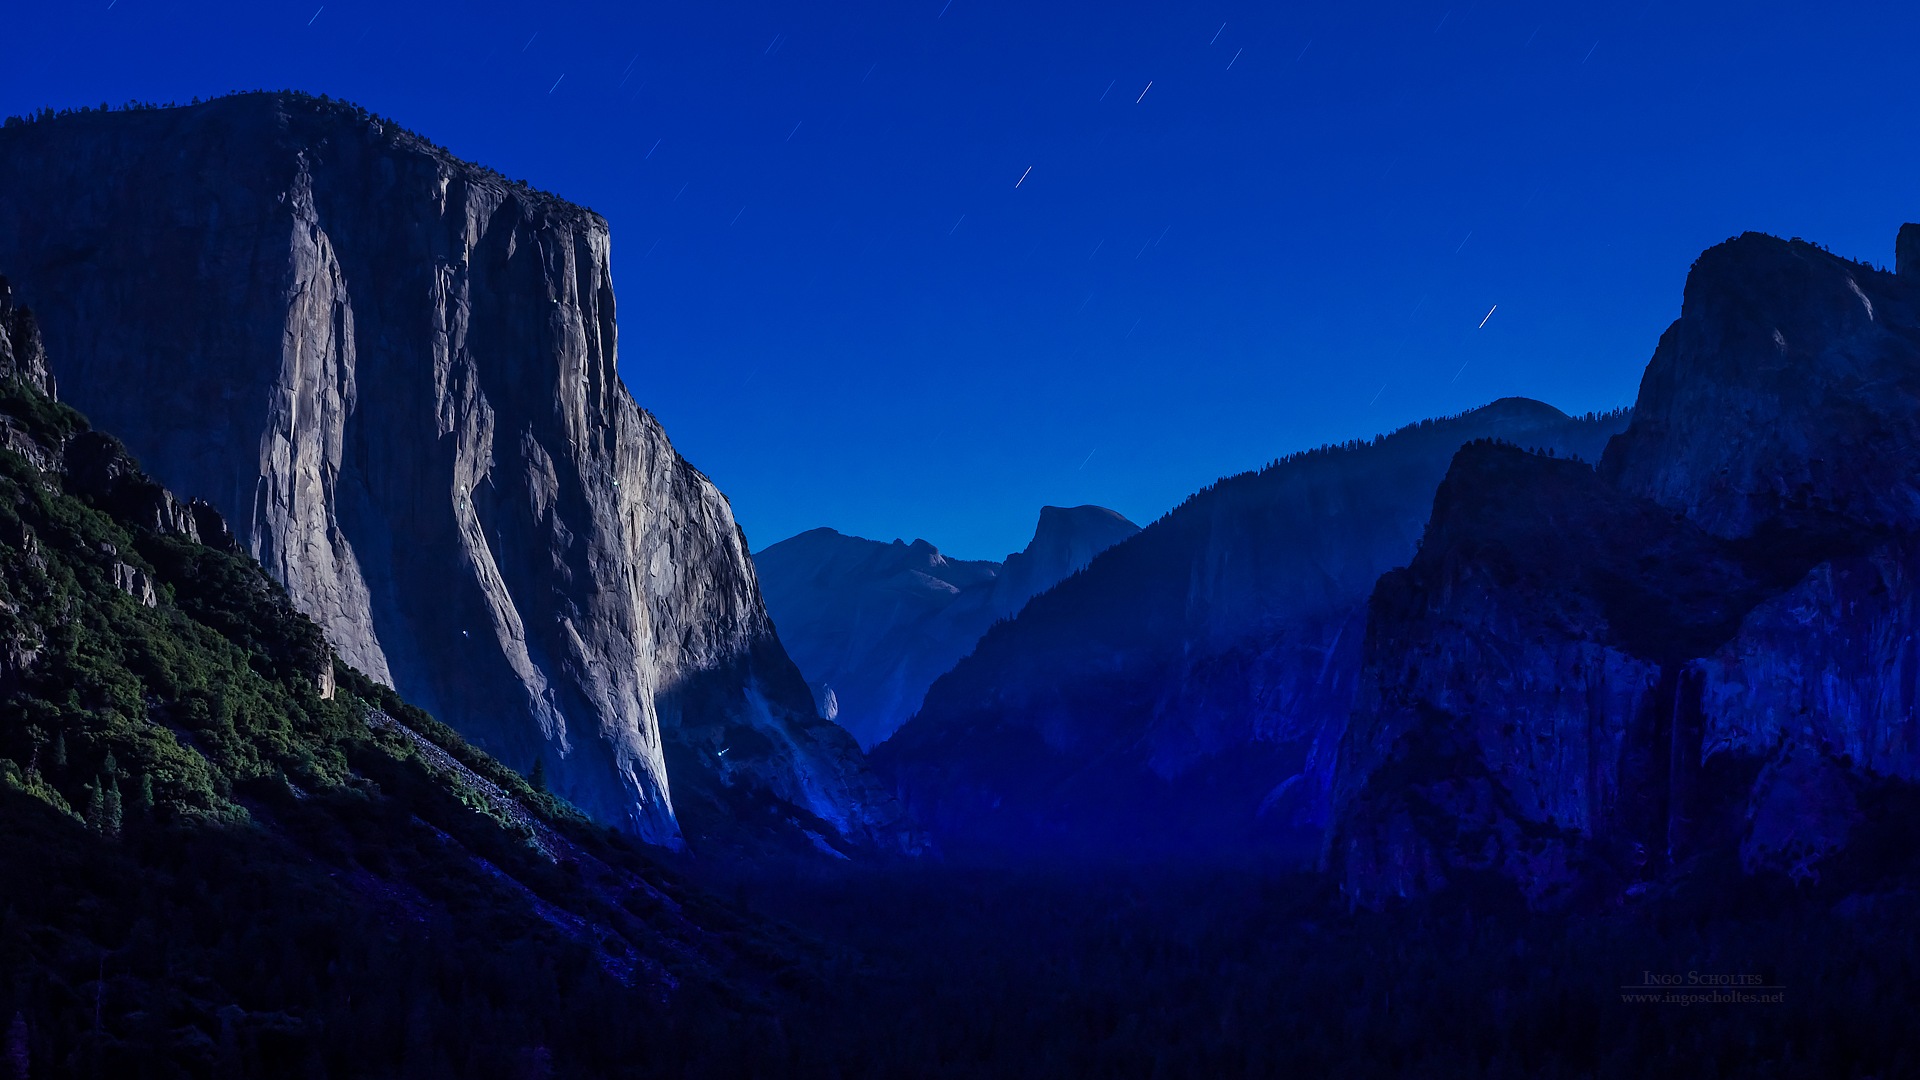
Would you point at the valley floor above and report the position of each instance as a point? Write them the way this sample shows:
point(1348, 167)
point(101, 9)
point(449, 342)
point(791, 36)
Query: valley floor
point(951, 971)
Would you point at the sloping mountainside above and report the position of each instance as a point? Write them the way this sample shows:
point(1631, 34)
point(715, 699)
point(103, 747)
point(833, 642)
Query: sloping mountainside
point(1701, 654)
point(871, 625)
point(395, 374)
point(1186, 692)
point(227, 853)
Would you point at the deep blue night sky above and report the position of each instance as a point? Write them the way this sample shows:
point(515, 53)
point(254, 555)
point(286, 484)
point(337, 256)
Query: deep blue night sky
point(844, 309)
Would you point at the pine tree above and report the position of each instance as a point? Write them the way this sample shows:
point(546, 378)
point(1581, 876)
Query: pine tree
point(538, 777)
point(144, 798)
point(110, 819)
point(96, 805)
point(60, 750)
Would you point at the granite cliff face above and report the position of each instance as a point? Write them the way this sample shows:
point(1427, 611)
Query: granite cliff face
point(396, 374)
point(873, 624)
point(1186, 692)
point(1704, 649)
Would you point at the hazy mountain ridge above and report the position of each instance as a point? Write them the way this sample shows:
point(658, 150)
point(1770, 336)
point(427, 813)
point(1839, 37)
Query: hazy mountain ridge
point(396, 374)
point(1185, 693)
point(872, 624)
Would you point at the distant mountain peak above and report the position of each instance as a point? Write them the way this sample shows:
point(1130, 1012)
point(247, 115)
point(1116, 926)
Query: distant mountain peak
point(872, 624)
point(1062, 521)
point(1518, 407)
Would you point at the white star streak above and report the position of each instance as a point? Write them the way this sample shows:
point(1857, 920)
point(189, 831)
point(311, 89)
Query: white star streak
point(1490, 311)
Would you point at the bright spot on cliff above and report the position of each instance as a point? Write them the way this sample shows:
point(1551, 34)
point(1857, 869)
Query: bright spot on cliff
point(1855, 286)
point(1143, 93)
point(1490, 311)
point(316, 13)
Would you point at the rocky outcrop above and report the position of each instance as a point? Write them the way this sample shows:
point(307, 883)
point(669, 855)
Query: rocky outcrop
point(873, 624)
point(1185, 693)
point(1705, 646)
point(396, 374)
point(1522, 679)
point(22, 354)
point(1777, 399)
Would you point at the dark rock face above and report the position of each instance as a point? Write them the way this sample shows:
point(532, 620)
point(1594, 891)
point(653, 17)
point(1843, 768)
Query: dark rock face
point(1906, 250)
point(1705, 646)
point(395, 373)
point(1524, 678)
point(1186, 693)
point(873, 624)
point(1781, 395)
